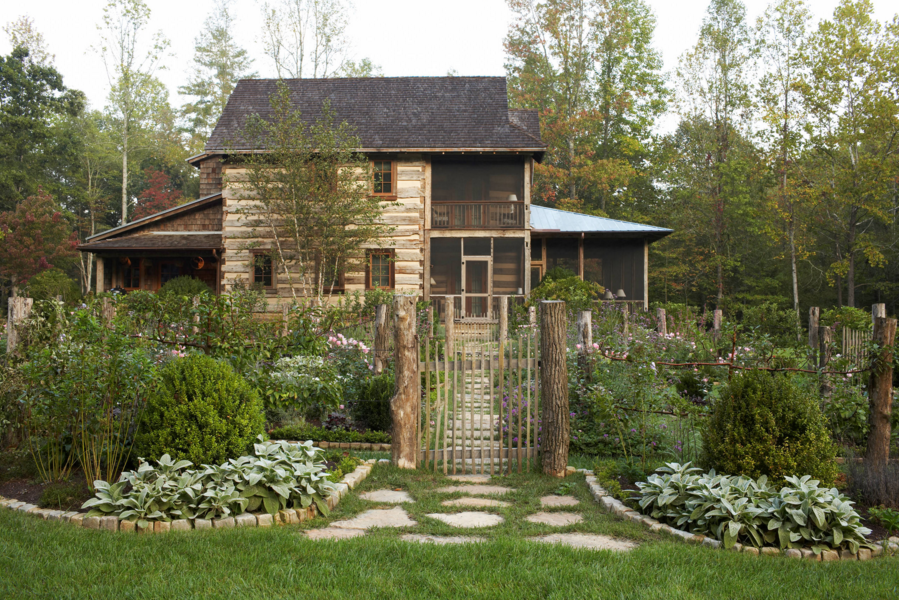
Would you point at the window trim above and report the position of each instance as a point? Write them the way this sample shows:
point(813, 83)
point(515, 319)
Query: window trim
point(393, 192)
point(266, 253)
point(391, 258)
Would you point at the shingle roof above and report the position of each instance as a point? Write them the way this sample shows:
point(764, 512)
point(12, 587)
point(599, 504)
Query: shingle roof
point(181, 208)
point(159, 241)
point(563, 221)
point(394, 112)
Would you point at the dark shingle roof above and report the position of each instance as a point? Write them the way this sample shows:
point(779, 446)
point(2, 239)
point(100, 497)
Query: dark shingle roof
point(158, 241)
point(394, 112)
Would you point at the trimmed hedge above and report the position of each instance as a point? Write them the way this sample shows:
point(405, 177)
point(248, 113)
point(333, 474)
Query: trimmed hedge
point(203, 411)
point(320, 434)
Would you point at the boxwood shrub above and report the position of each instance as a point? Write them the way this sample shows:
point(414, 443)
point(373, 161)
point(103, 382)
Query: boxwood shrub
point(765, 424)
point(203, 411)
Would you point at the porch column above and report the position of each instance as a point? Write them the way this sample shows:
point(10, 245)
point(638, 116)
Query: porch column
point(100, 273)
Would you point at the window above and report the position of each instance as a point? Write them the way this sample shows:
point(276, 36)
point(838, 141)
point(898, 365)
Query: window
point(131, 274)
point(263, 271)
point(380, 270)
point(384, 178)
point(477, 180)
point(168, 271)
point(333, 276)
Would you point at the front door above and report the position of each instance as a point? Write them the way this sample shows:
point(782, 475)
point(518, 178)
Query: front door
point(476, 286)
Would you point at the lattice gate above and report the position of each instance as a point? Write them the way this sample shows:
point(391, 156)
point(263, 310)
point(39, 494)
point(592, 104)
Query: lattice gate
point(480, 403)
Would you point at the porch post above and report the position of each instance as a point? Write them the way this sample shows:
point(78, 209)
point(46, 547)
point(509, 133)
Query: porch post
point(101, 275)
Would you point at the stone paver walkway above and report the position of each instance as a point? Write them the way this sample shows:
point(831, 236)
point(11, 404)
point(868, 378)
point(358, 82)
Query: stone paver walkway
point(478, 490)
point(468, 519)
point(558, 501)
point(441, 540)
point(555, 519)
point(387, 496)
point(394, 517)
point(476, 502)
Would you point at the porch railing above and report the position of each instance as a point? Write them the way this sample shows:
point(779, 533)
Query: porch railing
point(469, 215)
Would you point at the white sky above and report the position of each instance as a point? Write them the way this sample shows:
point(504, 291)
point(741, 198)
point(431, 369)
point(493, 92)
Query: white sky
point(404, 37)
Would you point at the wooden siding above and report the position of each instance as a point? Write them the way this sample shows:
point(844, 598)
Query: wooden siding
point(405, 216)
point(210, 177)
point(204, 219)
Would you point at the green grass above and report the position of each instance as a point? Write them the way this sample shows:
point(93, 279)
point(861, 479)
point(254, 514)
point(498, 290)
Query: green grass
point(40, 559)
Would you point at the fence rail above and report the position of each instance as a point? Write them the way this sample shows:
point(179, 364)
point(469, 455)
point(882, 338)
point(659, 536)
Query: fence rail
point(487, 215)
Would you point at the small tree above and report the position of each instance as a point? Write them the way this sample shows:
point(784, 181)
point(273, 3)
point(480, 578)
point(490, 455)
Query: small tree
point(311, 191)
point(35, 236)
point(158, 196)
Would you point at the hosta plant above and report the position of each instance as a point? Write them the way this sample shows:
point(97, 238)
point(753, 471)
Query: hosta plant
point(279, 476)
point(748, 511)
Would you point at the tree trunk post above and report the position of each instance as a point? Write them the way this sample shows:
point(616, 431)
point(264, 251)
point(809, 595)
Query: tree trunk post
point(662, 321)
point(195, 329)
point(878, 311)
point(285, 320)
point(107, 311)
point(880, 395)
point(449, 319)
point(585, 331)
point(825, 346)
point(717, 317)
point(532, 316)
point(554, 388)
point(382, 339)
point(503, 318)
point(814, 315)
point(405, 404)
point(17, 311)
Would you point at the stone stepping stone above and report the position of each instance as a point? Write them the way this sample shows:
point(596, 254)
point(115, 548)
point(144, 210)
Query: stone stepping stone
point(556, 519)
point(333, 533)
point(558, 501)
point(470, 478)
point(479, 490)
point(441, 540)
point(476, 502)
point(589, 541)
point(393, 517)
point(388, 496)
point(469, 519)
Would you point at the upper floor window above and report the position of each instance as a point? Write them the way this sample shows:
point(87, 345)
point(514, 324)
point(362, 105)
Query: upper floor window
point(384, 181)
point(477, 180)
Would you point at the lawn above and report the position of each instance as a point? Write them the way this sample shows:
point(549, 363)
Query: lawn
point(55, 560)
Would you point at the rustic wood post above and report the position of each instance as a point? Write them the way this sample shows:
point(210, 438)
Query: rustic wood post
point(825, 346)
point(285, 319)
point(662, 321)
point(554, 388)
point(626, 320)
point(107, 311)
point(878, 311)
point(532, 316)
point(814, 316)
point(880, 395)
point(449, 319)
point(503, 317)
point(196, 319)
point(585, 330)
point(17, 311)
point(405, 404)
point(717, 316)
point(382, 339)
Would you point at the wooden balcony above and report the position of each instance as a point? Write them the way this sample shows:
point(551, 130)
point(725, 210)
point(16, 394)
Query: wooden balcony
point(477, 215)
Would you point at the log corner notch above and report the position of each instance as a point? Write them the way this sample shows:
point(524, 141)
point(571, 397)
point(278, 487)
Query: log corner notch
point(554, 388)
point(405, 404)
point(880, 391)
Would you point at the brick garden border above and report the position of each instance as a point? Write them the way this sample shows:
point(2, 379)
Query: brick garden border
point(617, 507)
point(112, 523)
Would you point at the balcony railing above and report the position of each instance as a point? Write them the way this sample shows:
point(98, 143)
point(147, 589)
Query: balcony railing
point(477, 215)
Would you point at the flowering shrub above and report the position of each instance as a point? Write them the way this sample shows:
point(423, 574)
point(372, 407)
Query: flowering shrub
point(750, 511)
point(303, 382)
point(278, 476)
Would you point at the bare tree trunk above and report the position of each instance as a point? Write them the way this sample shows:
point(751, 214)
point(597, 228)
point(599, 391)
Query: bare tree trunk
point(18, 309)
point(880, 394)
point(125, 179)
point(662, 321)
point(814, 314)
point(405, 404)
point(554, 388)
point(382, 341)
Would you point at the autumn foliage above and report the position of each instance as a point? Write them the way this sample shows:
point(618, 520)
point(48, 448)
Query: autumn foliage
point(35, 237)
point(158, 196)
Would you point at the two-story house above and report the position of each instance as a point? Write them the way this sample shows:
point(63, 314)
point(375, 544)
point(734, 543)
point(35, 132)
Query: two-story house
point(454, 165)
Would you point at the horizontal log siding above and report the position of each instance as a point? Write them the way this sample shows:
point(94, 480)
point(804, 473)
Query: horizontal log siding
point(405, 215)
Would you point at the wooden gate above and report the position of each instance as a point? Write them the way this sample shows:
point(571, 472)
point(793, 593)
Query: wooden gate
point(480, 406)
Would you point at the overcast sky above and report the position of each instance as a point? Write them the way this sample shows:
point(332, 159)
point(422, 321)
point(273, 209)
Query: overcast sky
point(404, 37)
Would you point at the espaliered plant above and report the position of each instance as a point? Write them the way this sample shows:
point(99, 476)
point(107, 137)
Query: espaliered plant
point(279, 476)
point(749, 511)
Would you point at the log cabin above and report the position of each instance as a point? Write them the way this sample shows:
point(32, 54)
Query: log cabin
point(454, 166)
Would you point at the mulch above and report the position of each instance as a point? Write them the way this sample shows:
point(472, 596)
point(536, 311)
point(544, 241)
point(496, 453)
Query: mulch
point(31, 491)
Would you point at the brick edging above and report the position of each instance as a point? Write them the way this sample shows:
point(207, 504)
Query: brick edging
point(618, 507)
point(112, 522)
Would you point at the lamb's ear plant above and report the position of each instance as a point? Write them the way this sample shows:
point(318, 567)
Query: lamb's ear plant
point(744, 510)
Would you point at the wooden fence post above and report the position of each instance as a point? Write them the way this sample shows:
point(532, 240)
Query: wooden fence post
point(554, 388)
point(878, 311)
point(717, 317)
point(532, 316)
point(285, 319)
point(196, 318)
point(814, 316)
point(825, 346)
point(449, 320)
point(662, 321)
point(585, 330)
point(503, 317)
point(880, 396)
point(107, 310)
point(382, 339)
point(406, 402)
point(17, 311)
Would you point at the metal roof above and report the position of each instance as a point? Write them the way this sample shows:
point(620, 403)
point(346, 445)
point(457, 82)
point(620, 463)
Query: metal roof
point(563, 221)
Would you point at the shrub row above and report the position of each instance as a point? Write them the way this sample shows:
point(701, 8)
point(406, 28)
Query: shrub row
point(320, 434)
